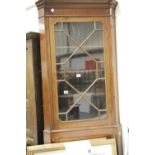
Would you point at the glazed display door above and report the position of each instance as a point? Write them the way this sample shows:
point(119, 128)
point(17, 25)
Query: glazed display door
point(80, 86)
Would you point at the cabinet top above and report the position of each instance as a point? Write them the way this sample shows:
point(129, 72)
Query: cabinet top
point(32, 35)
point(76, 3)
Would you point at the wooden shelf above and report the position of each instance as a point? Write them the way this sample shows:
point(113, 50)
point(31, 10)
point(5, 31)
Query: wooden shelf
point(83, 54)
point(72, 95)
point(74, 47)
point(81, 71)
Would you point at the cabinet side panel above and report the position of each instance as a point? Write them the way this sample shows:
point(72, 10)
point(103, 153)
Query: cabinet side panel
point(114, 68)
point(45, 78)
point(31, 120)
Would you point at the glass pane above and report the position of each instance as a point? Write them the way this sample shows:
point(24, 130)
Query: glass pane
point(74, 113)
point(99, 100)
point(58, 26)
point(99, 25)
point(101, 70)
point(97, 93)
point(62, 117)
point(64, 47)
point(78, 31)
point(80, 70)
point(83, 110)
point(94, 45)
point(60, 72)
point(66, 95)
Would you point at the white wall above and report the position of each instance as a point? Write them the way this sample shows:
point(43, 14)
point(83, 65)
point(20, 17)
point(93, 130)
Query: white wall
point(31, 16)
point(136, 71)
point(136, 62)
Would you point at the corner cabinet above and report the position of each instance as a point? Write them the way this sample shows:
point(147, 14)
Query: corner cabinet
point(79, 76)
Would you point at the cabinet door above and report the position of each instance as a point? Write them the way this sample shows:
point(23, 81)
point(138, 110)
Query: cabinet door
point(80, 84)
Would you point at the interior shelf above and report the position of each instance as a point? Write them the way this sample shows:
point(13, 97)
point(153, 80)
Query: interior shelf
point(83, 54)
point(72, 95)
point(81, 71)
point(74, 47)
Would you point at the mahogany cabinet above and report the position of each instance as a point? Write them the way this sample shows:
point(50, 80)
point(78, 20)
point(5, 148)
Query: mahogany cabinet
point(79, 74)
point(34, 107)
